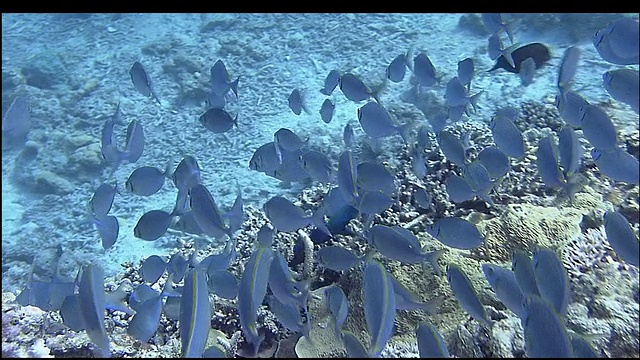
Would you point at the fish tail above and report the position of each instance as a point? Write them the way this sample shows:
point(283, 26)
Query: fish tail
point(234, 86)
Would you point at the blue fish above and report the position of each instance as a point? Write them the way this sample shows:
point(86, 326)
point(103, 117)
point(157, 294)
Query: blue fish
point(16, 121)
point(466, 295)
point(569, 151)
point(92, 302)
point(496, 50)
point(507, 136)
point(617, 164)
point(354, 89)
point(597, 127)
point(223, 283)
point(523, 270)
point(451, 147)
point(458, 189)
point(206, 212)
point(621, 237)
point(379, 305)
point(152, 225)
point(296, 102)
point(505, 286)
point(618, 42)
point(423, 70)
point(494, 24)
point(430, 342)
point(195, 314)
point(282, 284)
point(400, 244)
point(152, 268)
point(221, 81)
point(347, 177)
point(338, 258)
point(218, 121)
point(141, 81)
point(146, 180)
point(544, 332)
point(102, 199)
point(457, 95)
point(375, 177)
point(338, 305)
point(348, 136)
point(495, 161)
point(326, 110)
point(456, 232)
point(547, 163)
point(354, 347)
point(330, 82)
point(285, 216)
point(568, 68)
point(397, 68)
point(551, 278)
point(466, 70)
point(377, 123)
point(186, 174)
point(527, 71)
point(622, 85)
point(569, 107)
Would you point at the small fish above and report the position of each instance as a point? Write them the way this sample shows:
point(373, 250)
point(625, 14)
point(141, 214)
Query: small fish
point(251, 292)
point(496, 50)
point(287, 217)
point(186, 174)
point(568, 68)
point(152, 225)
point(338, 305)
point(430, 342)
point(296, 102)
point(551, 278)
point(581, 347)
point(282, 284)
point(145, 322)
point(288, 140)
point(495, 161)
point(330, 82)
point(374, 202)
point(418, 164)
point(451, 147)
point(379, 305)
point(527, 71)
point(547, 163)
point(102, 199)
point(466, 70)
point(458, 189)
point(221, 81)
point(145, 181)
point(466, 295)
point(456, 233)
point(545, 335)
point(406, 300)
point(348, 136)
point(235, 216)
point(265, 158)
point(479, 179)
point(16, 121)
point(218, 121)
point(621, 237)
point(569, 151)
point(195, 314)
point(457, 95)
point(523, 271)
point(141, 81)
point(423, 70)
point(400, 244)
point(618, 42)
point(505, 286)
point(92, 303)
point(423, 139)
point(221, 260)
point(376, 121)
point(317, 165)
point(223, 283)
point(494, 24)
point(326, 110)
point(289, 316)
point(206, 212)
point(617, 164)
point(375, 177)
point(537, 51)
point(135, 143)
point(108, 229)
point(354, 89)
point(597, 127)
point(569, 107)
point(422, 198)
point(108, 148)
point(507, 136)
point(265, 235)
point(177, 266)
point(152, 268)
point(347, 177)
point(354, 347)
point(622, 85)
point(397, 68)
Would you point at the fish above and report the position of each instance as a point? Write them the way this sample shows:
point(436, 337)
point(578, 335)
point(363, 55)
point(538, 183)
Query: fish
point(466, 295)
point(152, 268)
point(108, 229)
point(456, 233)
point(265, 235)
point(16, 121)
point(348, 136)
point(495, 24)
point(457, 95)
point(537, 51)
point(195, 314)
point(146, 180)
point(347, 178)
point(374, 202)
point(505, 286)
point(337, 223)
point(338, 305)
point(400, 244)
point(379, 305)
point(466, 70)
point(92, 303)
point(235, 216)
point(354, 347)
point(135, 142)
point(551, 278)
point(569, 151)
point(215, 101)
point(326, 110)
point(458, 189)
point(545, 334)
point(186, 174)
point(451, 147)
point(569, 107)
point(251, 292)
point(507, 136)
point(375, 177)
point(338, 258)
point(581, 347)
point(282, 284)
point(430, 342)
point(397, 68)
point(296, 102)
point(141, 81)
point(495, 161)
point(330, 82)
point(102, 199)
point(522, 268)
point(547, 163)
point(622, 85)
point(145, 322)
point(527, 71)
point(418, 164)
point(423, 139)
point(206, 212)
point(152, 225)
point(288, 140)
point(621, 237)
point(108, 148)
point(223, 283)
point(422, 198)
point(617, 165)
point(478, 178)
point(177, 266)
point(285, 216)
point(376, 121)
point(220, 261)
point(218, 121)
point(618, 42)
point(568, 68)
point(221, 81)
point(423, 70)
point(496, 49)
point(289, 316)
point(265, 158)
point(406, 300)
point(354, 89)
point(438, 121)
point(597, 127)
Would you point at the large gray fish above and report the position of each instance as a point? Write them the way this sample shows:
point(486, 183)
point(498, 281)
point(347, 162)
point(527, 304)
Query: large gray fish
point(186, 174)
point(456, 232)
point(146, 180)
point(617, 164)
point(618, 42)
point(622, 85)
point(466, 295)
point(218, 121)
point(568, 69)
point(423, 70)
point(287, 217)
point(152, 225)
point(317, 165)
point(206, 212)
point(507, 136)
point(16, 121)
point(376, 121)
point(135, 142)
point(397, 68)
point(621, 237)
point(545, 334)
point(597, 127)
point(221, 81)
point(330, 82)
point(195, 314)
point(354, 89)
point(569, 107)
point(379, 305)
point(141, 81)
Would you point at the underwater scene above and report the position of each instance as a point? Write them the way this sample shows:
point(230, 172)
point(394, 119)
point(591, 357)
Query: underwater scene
point(320, 185)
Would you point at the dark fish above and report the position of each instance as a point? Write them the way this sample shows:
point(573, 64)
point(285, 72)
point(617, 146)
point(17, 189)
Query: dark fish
point(135, 142)
point(538, 52)
point(354, 89)
point(347, 136)
point(206, 212)
point(494, 23)
point(218, 121)
point(326, 110)
point(296, 102)
point(152, 225)
point(466, 70)
point(622, 85)
point(141, 81)
point(330, 82)
point(92, 303)
point(527, 71)
point(397, 68)
point(568, 69)
point(16, 121)
point(108, 228)
point(423, 70)
point(102, 199)
point(377, 122)
point(145, 181)
point(288, 140)
point(187, 173)
point(220, 80)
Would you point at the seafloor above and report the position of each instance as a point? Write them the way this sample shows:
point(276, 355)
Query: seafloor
point(74, 69)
